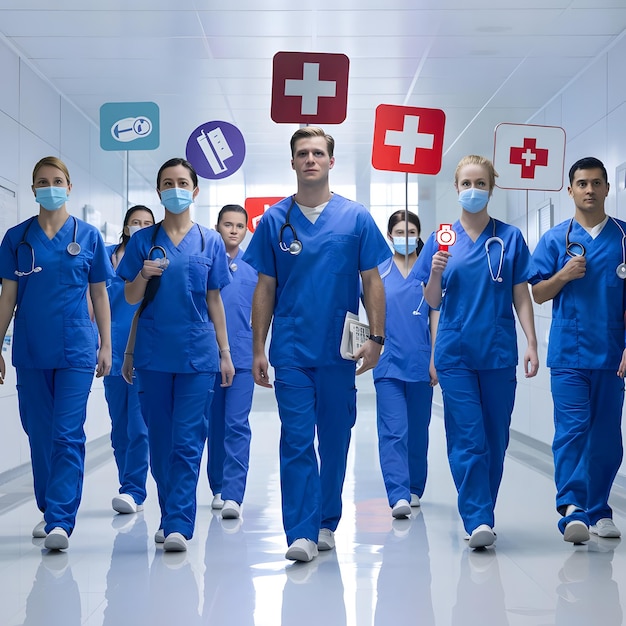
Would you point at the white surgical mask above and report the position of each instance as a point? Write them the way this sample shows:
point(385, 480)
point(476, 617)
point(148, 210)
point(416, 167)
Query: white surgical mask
point(133, 229)
point(473, 200)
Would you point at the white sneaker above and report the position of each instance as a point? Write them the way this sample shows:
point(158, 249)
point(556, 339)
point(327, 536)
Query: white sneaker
point(125, 503)
point(39, 532)
point(175, 542)
point(303, 550)
point(415, 500)
point(604, 527)
point(57, 539)
point(482, 537)
point(401, 509)
point(217, 502)
point(325, 539)
point(159, 536)
point(231, 510)
point(576, 531)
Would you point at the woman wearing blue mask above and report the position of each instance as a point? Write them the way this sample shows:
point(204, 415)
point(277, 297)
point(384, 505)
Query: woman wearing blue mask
point(129, 434)
point(47, 264)
point(476, 285)
point(176, 269)
point(405, 374)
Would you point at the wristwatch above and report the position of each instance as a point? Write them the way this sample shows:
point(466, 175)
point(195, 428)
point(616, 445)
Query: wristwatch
point(378, 339)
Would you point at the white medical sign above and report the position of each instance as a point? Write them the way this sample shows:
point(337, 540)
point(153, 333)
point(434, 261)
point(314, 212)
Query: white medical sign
point(529, 156)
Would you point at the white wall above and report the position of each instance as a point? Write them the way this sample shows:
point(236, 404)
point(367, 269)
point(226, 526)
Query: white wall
point(592, 111)
point(35, 121)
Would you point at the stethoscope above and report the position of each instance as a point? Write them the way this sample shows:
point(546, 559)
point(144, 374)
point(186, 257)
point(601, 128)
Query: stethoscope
point(164, 261)
point(497, 278)
point(575, 248)
point(73, 248)
point(295, 247)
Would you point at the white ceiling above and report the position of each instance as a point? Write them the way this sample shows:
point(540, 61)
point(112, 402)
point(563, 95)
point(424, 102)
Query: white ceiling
point(482, 61)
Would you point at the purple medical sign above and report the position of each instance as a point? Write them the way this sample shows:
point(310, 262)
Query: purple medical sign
point(216, 149)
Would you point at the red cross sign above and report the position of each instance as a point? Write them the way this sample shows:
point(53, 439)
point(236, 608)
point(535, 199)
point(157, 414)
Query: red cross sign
point(309, 88)
point(408, 139)
point(528, 156)
point(255, 207)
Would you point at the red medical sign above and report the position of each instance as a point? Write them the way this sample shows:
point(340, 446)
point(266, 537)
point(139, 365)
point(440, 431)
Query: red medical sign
point(528, 156)
point(445, 236)
point(309, 88)
point(255, 207)
point(408, 139)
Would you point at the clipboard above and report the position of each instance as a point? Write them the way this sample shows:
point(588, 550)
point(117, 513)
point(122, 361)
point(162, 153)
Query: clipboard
point(355, 334)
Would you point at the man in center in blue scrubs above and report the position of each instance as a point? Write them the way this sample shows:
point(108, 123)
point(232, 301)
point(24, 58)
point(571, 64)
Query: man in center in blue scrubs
point(309, 251)
point(581, 267)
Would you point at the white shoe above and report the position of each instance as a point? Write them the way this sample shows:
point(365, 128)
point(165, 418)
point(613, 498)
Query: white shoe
point(415, 500)
point(217, 502)
point(231, 510)
point(57, 539)
point(175, 542)
point(39, 532)
point(159, 536)
point(482, 537)
point(303, 550)
point(576, 531)
point(125, 503)
point(401, 509)
point(325, 539)
point(604, 527)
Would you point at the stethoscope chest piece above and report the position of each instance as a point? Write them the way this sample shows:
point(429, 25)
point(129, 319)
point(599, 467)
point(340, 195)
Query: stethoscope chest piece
point(295, 247)
point(621, 271)
point(73, 248)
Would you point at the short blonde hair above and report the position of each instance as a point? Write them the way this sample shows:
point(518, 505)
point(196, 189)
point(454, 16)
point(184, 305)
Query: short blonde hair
point(312, 131)
point(474, 159)
point(55, 162)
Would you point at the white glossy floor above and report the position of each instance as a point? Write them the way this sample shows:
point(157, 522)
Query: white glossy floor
point(416, 571)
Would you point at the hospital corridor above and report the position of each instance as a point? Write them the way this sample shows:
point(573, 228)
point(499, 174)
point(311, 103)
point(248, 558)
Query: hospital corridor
point(383, 571)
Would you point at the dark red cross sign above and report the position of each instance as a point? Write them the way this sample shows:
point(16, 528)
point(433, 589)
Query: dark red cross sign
point(529, 157)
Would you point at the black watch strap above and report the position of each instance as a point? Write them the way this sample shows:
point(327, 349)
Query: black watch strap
point(378, 339)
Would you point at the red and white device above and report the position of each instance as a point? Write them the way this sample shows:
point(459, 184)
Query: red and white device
point(445, 236)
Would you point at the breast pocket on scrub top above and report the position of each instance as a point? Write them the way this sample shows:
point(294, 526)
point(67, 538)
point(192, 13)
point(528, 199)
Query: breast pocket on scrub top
point(199, 268)
point(344, 254)
point(74, 269)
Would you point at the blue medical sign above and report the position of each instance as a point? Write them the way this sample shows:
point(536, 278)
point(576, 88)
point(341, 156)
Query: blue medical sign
point(216, 149)
point(129, 126)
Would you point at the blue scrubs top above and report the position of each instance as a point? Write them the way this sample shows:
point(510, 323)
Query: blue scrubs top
point(175, 333)
point(121, 317)
point(407, 350)
point(52, 328)
point(476, 326)
point(315, 288)
point(237, 298)
point(587, 328)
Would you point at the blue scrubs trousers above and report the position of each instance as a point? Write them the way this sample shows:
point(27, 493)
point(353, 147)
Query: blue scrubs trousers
point(175, 407)
point(53, 409)
point(228, 444)
point(321, 399)
point(587, 442)
point(129, 436)
point(403, 416)
point(477, 414)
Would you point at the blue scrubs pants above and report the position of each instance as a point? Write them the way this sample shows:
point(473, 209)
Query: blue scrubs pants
point(321, 399)
point(229, 436)
point(477, 415)
point(403, 416)
point(587, 442)
point(175, 407)
point(53, 409)
point(129, 436)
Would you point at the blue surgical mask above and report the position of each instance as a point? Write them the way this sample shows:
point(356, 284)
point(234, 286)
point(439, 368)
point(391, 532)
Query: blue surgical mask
point(473, 200)
point(400, 245)
point(176, 200)
point(51, 198)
